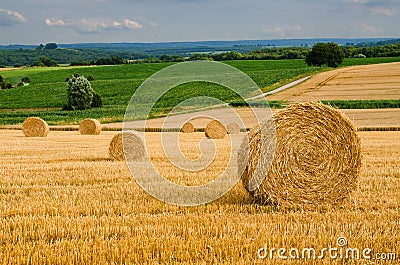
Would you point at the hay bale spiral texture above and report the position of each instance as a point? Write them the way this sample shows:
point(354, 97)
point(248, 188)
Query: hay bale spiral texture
point(233, 128)
point(127, 145)
point(35, 127)
point(187, 128)
point(90, 127)
point(317, 157)
point(215, 130)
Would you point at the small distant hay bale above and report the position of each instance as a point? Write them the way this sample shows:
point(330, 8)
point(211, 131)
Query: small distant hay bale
point(35, 127)
point(317, 158)
point(187, 128)
point(215, 130)
point(128, 143)
point(233, 128)
point(90, 127)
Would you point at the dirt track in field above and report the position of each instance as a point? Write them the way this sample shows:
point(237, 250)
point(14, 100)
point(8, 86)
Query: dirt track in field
point(367, 82)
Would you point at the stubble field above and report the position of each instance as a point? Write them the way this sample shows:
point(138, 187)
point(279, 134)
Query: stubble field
point(365, 82)
point(62, 201)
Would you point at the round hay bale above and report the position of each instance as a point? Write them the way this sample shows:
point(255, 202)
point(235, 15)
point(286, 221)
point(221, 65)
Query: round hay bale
point(129, 144)
point(90, 127)
point(215, 130)
point(317, 157)
point(35, 127)
point(187, 128)
point(233, 128)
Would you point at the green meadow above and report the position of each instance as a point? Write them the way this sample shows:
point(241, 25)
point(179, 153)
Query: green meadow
point(46, 94)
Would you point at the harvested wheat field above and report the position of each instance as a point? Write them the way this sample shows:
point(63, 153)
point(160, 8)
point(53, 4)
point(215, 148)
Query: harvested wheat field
point(367, 82)
point(63, 201)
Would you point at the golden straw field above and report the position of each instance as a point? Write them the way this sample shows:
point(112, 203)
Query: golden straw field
point(63, 201)
point(366, 82)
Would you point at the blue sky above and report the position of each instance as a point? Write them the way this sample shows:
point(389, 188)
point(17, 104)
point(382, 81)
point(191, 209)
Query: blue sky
point(73, 21)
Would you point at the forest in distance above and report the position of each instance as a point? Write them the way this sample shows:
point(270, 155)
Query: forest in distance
point(53, 54)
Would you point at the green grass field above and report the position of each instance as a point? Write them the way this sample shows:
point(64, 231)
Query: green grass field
point(46, 93)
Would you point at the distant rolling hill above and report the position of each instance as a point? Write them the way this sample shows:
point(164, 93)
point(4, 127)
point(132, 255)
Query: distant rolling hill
point(209, 44)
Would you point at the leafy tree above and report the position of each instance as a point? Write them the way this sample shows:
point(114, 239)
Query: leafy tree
point(50, 46)
point(80, 93)
point(8, 85)
point(325, 53)
point(5, 85)
point(25, 80)
point(113, 60)
point(44, 61)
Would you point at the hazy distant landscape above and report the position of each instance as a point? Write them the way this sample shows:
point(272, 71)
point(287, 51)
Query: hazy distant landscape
point(87, 53)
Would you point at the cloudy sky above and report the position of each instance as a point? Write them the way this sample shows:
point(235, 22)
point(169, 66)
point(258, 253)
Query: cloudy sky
point(74, 21)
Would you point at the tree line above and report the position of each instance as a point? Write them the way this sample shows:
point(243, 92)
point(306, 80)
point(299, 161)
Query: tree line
point(390, 50)
point(50, 55)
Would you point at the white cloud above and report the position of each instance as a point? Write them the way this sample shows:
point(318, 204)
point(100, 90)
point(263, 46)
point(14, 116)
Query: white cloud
point(55, 22)
point(282, 31)
point(382, 11)
point(276, 30)
point(370, 30)
point(357, 1)
point(87, 25)
point(130, 24)
point(380, 7)
point(8, 17)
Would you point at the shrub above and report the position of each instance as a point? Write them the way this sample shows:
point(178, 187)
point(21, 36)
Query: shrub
point(25, 80)
point(97, 102)
point(80, 93)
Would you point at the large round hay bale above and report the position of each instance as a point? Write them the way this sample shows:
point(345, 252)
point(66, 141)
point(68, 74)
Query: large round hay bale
point(233, 128)
point(35, 127)
point(90, 127)
point(215, 130)
point(317, 158)
point(129, 144)
point(187, 128)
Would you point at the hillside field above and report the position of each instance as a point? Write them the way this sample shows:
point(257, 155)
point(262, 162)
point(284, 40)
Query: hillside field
point(372, 82)
point(46, 93)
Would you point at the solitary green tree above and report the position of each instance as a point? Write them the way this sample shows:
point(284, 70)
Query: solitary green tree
point(50, 46)
point(80, 93)
point(325, 53)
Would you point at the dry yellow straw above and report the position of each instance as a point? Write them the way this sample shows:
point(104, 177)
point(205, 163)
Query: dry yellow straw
point(90, 127)
point(132, 146)
point(317, 157)
point(35, 127)
point(233, 128)
point(215, 130)
point(187, 128)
